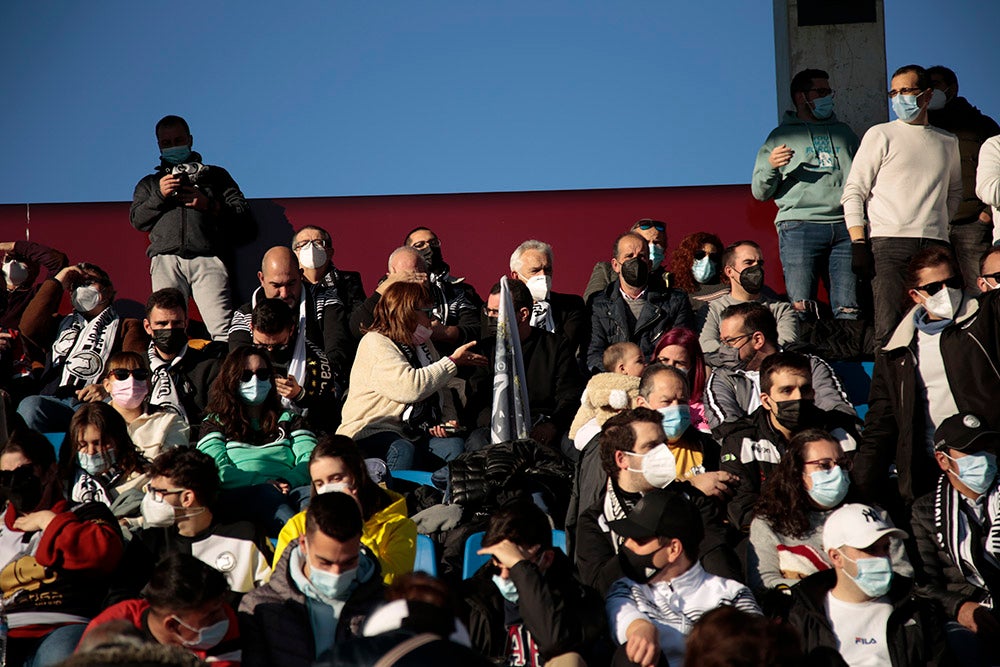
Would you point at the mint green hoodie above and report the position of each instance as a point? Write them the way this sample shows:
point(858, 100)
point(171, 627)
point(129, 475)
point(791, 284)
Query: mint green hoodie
point(809, 187)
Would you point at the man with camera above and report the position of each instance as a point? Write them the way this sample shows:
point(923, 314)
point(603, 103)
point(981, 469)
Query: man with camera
point(188, 208)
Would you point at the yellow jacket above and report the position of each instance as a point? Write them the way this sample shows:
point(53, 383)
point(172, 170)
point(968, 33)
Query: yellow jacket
point(389, 534)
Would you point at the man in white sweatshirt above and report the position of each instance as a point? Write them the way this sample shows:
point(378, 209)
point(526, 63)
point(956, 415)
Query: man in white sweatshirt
point(909, 176)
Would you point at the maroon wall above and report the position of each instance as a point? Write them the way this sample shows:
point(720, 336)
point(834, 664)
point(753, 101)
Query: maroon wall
point(478, 231)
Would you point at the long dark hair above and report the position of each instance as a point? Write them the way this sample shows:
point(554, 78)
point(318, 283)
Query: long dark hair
point(111, 425)
point(227, 409)
point(784, 502)
point(371, 496)
point(683, 259)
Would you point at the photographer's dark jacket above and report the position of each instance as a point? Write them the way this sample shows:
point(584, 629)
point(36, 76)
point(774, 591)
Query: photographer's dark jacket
point(612, 321)
point(175, 229)
point(895, 424)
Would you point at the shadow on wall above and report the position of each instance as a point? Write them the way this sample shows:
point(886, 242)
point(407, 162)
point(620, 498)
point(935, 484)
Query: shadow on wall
point(273, 229)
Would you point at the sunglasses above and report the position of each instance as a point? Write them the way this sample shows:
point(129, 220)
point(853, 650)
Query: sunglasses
point(700, 254)
point(260, 374)
point(955, 282)
point(140, 374)
point(655, 224)
point(994, 276)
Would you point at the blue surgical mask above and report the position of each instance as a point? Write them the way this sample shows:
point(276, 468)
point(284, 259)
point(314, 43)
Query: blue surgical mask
point(829, 486)
point(704, 269)
point(333, 586)
point(507, 588)
point(176, 154)
point(874, 575)
point(655, 255)
point(208, 636)
point(254, 391)
point(977, 471)
point(823, 107)
point(95, 464)
point(906, 107)
point(675, 419)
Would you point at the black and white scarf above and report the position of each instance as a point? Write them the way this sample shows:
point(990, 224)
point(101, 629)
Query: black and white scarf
point(614, 509)
point(541, 316)
point(953, 533)
point(297, 366)
point(164, 394)
point(82, 348)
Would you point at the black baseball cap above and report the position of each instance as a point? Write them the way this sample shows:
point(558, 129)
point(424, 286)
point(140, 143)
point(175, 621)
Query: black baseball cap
point(662, 513)
point(967, 433)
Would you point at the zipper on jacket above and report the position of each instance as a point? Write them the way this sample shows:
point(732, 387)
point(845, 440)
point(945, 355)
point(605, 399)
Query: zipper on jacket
point(983, 349)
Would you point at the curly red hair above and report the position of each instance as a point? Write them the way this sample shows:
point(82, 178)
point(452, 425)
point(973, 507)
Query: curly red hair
point(683, 258)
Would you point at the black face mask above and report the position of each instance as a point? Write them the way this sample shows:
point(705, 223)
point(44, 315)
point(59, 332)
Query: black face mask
point(21, 488)
point(752, 278)
point(432, 255)
point(169, 341)
point(635, 272)
point(794, 414)
point(491, 326)
point(637, 568)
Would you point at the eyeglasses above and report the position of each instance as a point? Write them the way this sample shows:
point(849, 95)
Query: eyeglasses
point(700, 254)
point(905, 91)
point(429, 310)
point(843, 463)
point(646, 224)
point(260, 373)
point(431, 243)
point(823, 92)
point(158, 494)
point(316, 243)
point(731, 342)
point(140, 374)
point(954, 282)
point(994, 276)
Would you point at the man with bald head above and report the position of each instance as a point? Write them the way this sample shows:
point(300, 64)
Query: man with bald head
point(280, 278)
point(632, 308)
point(455, 319)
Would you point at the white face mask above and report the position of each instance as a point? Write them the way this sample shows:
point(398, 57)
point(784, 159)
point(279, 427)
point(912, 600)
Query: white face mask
point(85, 298)
point(157, 514)
point(311, 256)
point(945, 303)
point(938, 100)
point(539, 286)
point(16, 272)
point(659, 466)
point(342, 487)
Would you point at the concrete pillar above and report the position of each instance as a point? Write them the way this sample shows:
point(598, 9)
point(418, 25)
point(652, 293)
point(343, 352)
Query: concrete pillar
point(847, 40)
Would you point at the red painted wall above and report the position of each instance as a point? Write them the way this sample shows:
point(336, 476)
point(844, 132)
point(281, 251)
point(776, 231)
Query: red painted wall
point(478, 231)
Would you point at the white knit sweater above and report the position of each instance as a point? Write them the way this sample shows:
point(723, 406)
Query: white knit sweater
point(910, 179)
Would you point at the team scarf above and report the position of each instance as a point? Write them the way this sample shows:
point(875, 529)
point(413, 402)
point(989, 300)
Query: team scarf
point(163, 393)
point(949, 520)
point(614, 510)
point(82, 348)
point(541, 316)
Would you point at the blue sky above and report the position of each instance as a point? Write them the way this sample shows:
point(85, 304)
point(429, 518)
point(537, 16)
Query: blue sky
point(333, 98)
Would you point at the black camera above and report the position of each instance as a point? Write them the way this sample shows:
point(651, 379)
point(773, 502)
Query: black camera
point(189, 172)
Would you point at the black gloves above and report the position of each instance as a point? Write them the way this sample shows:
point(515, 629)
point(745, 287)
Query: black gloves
point(862, 260)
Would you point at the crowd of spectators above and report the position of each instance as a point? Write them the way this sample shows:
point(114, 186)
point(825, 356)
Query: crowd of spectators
point(693, 484)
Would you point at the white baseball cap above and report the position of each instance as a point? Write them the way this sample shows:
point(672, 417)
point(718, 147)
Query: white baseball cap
point(858, 526)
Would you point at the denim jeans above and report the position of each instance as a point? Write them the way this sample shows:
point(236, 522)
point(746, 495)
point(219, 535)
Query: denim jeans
point(50, 650)
point(401, 454)
point(48, 414)
point(892, 254)
point(970, 240)
point(263, 504)
point(806, 249)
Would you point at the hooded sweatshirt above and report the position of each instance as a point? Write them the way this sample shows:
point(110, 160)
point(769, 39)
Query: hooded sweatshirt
point(809, 187)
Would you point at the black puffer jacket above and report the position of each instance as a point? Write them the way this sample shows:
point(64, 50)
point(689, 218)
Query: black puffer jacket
point(488, 478)
point(915, 632)
point(176, 229)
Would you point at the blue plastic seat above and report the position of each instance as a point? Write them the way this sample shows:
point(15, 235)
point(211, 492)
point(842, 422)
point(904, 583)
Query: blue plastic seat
point(57, 440)
point(426, 558)
point(415, 476)
point(472, 561)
